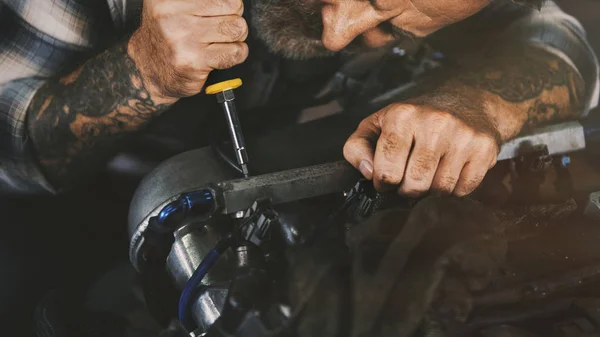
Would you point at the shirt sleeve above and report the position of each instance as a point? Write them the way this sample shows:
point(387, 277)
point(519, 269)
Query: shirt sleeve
point(39, 39)
point(549, 28)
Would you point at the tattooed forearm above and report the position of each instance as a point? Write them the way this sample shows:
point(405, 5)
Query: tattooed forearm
point(536, 86)
point(76, 122)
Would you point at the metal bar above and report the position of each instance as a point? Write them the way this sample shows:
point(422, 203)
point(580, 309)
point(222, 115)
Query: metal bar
point(287, 186)
point(559, 138)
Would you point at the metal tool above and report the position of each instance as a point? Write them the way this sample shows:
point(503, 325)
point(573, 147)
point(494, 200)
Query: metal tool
point(286, 186)
point(225, 96)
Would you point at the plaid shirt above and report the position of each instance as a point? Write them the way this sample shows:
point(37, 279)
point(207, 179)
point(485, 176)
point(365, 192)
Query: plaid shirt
point(40, 39)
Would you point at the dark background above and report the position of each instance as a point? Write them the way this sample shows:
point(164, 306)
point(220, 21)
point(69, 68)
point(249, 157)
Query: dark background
point(588, 12)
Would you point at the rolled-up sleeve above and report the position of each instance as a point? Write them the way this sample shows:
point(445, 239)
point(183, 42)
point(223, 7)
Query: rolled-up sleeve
point(559, 33)
point(19, 171)
point(504, 24)
point(38, 40)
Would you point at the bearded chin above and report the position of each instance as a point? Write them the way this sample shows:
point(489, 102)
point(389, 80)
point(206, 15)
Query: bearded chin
point(292, 28)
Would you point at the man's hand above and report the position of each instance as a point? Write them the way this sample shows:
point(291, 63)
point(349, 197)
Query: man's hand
point(447, 140)
point(181, 41)
point(415, 148)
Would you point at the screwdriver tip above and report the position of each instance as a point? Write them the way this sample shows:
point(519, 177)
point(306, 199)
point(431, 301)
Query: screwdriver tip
point(245, 170)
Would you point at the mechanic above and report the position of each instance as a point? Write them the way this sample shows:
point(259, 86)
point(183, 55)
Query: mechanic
point(59, 128)
point(64, 112)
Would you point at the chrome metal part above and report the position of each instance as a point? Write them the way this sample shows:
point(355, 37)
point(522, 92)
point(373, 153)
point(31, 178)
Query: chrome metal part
point(185, 172)
point(560, 138)
point(227, 101)
point(207, 308)
point(190, 246)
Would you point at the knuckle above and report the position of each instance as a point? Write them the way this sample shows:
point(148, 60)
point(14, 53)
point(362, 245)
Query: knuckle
point(238, 6)
point(366, 123)
point(401, 113)
point(440, 119)
point(464, 139)
point(230, 6)
point(469, 185)
point(241, 52)
point(391, 144)
point(489, 144)
point(235, 54)
point(348, 151)
point(236, 29)
point(404, 108)
point(461, 192)
point(445, 184)
point(422, 166)
point(389, 178)
point(485, 146)
point(349, 147)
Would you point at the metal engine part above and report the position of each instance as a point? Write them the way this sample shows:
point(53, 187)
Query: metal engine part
point(191, 244)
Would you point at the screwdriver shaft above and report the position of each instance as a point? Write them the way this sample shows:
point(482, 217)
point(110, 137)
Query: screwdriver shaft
point(235, 130)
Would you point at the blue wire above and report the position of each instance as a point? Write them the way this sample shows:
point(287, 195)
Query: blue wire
point(190, 289)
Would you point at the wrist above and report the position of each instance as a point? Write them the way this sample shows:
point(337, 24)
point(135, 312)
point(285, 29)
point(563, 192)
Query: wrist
point(151, 81)
point(506, 117)
point(466, 104)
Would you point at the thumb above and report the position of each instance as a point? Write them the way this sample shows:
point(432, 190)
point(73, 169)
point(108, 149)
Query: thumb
point(359, 149)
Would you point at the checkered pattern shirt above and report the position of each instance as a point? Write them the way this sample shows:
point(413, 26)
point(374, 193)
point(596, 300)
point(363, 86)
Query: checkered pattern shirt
point(40, 39)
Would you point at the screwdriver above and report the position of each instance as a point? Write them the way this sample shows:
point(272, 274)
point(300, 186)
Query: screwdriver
point(224, 92)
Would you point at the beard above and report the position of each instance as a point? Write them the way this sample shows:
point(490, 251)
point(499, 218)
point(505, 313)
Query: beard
point(292, 28)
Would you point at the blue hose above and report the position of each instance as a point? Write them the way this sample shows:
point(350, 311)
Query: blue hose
point(190, 290)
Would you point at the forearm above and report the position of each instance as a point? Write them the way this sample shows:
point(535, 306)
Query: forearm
point(78, 121)
point(525, 88)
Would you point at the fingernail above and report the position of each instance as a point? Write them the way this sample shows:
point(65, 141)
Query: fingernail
point(366, 168)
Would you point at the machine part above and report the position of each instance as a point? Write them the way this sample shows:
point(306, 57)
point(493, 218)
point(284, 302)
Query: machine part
point(364, 201)
point(191, 244)
point(209, 305)
point(226, 158)
point(194, 300)
point(226, 98)
point(186, 172)
point(291, 185)
point(247, 291)
point(560, 138)
point(237, 195)
point(592, 210)
point(192, 287)
point(529, 173)
point(200, 201)
point(287, 186)
point(257, 222)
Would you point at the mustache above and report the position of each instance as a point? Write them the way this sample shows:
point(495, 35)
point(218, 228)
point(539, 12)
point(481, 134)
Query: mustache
point(294, 29)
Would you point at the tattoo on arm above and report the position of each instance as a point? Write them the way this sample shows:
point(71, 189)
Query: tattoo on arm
point(77, 122)
point(539, 82)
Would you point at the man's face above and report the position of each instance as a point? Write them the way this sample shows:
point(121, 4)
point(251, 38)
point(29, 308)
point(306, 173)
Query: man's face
point(313, 28)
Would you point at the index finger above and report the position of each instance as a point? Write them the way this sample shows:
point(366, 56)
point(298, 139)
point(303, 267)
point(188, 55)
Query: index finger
point(359, 149)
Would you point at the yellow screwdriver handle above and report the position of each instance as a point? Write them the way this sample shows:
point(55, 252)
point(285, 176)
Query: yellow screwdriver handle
point(222, 86)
